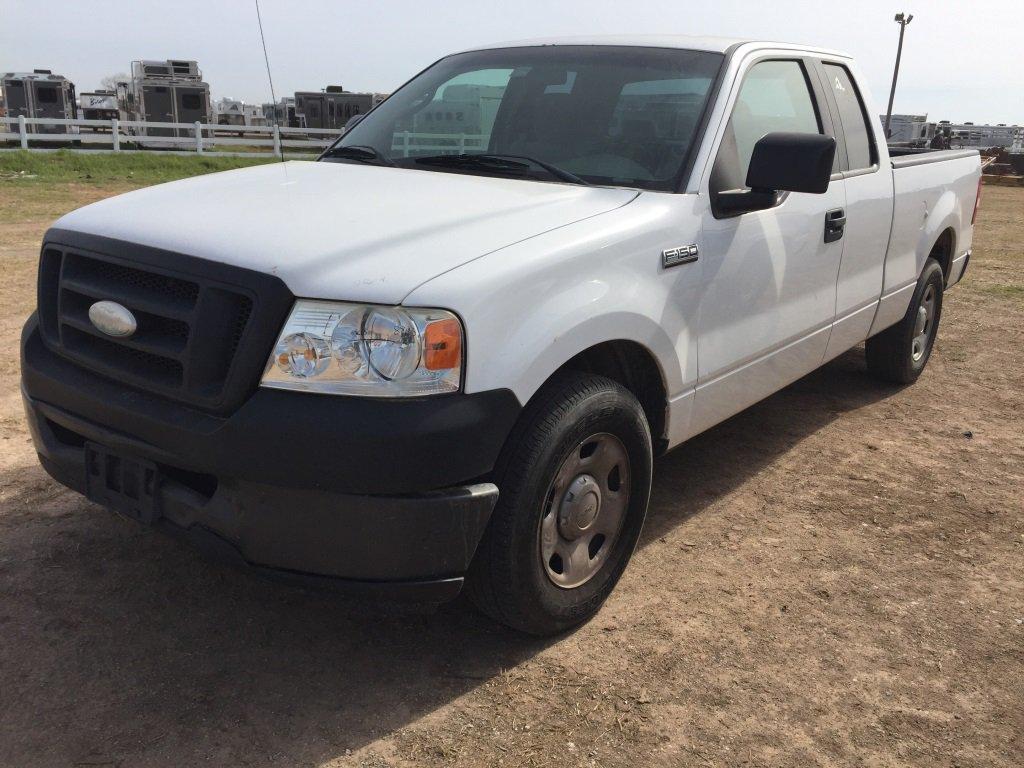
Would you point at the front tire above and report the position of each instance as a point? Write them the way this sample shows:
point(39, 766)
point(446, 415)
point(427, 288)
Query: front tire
point(900, 353)
point(574, 481)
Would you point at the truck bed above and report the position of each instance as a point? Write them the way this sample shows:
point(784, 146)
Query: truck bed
point(934, 191)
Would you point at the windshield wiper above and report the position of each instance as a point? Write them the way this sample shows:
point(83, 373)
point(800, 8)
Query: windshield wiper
point(515, 163)
point(361, 152)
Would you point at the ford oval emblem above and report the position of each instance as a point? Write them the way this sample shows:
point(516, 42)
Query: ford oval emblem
point(113, 319)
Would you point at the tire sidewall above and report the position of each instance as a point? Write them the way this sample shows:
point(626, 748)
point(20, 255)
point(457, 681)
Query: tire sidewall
point(614, 411)
point(930, 275)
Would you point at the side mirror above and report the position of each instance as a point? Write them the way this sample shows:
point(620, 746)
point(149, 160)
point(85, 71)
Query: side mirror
point(782, 162)
point(353, 122)
point(792, 162)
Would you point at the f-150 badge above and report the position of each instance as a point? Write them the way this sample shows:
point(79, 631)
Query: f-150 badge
point(673, 257)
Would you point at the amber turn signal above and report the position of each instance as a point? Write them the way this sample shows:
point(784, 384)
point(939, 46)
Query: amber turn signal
point(442, 348)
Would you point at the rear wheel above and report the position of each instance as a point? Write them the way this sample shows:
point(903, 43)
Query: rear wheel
point(574, 483)
point(900, 353)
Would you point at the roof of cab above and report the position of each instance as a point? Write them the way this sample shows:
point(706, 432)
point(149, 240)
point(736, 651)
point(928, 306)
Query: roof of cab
point(714, 44)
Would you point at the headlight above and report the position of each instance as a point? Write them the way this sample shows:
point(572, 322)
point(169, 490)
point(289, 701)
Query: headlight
point(350, 349)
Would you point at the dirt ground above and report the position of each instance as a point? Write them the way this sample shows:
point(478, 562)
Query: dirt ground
point(834, 577)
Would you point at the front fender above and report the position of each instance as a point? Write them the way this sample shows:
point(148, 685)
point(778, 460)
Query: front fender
point(531, 307)
point(590, 332)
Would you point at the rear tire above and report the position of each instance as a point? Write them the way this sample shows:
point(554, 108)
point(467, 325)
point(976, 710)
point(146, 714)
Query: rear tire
point(574, 484)
point(900, 353)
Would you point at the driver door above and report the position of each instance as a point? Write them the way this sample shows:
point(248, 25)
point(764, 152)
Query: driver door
point(769, 277)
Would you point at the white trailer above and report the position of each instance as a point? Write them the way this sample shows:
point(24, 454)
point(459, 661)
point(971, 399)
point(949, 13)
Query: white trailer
point(99, 105)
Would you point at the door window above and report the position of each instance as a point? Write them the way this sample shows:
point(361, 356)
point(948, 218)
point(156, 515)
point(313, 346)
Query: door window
point(775, 96)
point(860, 146)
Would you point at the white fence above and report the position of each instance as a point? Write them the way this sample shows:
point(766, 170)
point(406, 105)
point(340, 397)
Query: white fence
point(137, 136)
point(133, 136)
point(418, 144)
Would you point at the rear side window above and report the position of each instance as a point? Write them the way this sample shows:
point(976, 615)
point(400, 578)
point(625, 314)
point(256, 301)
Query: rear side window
point(860, 146)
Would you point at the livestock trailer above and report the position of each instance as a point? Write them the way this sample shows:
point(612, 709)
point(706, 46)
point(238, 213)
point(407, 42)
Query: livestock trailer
point(333, 107)
point(170, 91)
point(39, 94)
point(284, 114)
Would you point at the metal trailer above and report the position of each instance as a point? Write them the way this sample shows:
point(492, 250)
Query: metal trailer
point(333, 107)
point(39, 94)
point(229, 112)
point(284, 114)
point(170, 91)
point(983, 136)
point(99, 105)
point(254, 115)
point(910, 130)
point(233, 112)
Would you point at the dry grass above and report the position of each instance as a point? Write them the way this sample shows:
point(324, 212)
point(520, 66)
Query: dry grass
point(106, 167)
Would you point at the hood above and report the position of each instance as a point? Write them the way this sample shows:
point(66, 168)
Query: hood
point(339, 230)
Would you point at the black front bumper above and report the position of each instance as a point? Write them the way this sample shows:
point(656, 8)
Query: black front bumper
point(354, 493)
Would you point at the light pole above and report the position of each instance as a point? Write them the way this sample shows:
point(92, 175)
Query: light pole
point(902, 20)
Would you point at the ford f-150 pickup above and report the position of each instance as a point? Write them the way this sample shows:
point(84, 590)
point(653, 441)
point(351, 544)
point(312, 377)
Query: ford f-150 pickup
point(446, 353)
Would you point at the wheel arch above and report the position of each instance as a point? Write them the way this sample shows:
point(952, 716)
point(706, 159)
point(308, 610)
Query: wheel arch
point(635, 367)
point(942, 251)
point(938, 237)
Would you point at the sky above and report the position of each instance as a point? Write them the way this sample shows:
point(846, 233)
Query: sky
point(961, 60)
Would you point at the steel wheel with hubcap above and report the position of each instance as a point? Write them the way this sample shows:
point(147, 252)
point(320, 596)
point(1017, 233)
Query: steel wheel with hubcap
point(584, 510)
point(573, 480)
point(923, 324)
point(900, 352)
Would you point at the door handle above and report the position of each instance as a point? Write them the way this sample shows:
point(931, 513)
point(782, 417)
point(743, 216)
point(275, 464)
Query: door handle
point(835, 224)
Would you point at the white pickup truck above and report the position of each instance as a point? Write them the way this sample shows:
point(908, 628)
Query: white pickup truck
point(447, 352)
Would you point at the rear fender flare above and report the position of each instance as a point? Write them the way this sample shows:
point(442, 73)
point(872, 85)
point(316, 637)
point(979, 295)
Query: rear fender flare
point(945, 214)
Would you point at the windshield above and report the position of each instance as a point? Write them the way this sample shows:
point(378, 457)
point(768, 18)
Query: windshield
point(622, 116)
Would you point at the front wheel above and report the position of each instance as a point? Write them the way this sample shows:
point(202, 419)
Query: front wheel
point(574, 483)
point(900, 353)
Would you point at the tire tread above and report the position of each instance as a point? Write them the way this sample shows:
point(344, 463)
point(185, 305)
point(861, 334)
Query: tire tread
point(888, 353)
point(553, 403)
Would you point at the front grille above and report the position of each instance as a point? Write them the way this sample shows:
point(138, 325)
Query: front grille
point(197, 338)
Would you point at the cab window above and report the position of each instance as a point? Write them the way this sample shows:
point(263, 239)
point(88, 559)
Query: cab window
point(860, 145)
point(775, 96)
point(610, 115)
